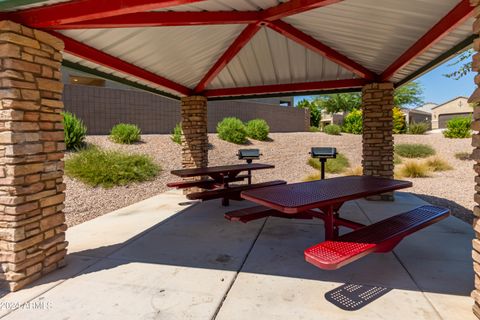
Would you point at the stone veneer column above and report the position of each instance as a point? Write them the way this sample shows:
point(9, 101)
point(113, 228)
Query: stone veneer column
point(32, 224)
point(475, 99)
point(377, 110)
point(194, 132)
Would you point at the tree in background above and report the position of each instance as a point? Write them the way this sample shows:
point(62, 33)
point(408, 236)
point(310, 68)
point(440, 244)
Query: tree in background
point(340, 102)
point(315, 112)
point(464, 64)
point(410, 94)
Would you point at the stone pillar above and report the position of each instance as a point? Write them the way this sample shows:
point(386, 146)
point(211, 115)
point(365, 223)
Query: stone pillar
point(32, 224)
point(475, 100)
point(194, 132)
point(377, 139)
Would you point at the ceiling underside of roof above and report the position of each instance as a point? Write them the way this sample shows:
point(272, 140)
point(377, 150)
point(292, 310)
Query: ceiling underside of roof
point(370, 33)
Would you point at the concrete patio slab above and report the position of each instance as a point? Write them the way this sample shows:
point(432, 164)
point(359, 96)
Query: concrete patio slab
point(271, 297)
point(109, 232)
point(162, 259)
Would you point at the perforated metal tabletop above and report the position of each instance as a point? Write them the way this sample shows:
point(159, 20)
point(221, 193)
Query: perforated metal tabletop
point(185, 173)
point(298, 197)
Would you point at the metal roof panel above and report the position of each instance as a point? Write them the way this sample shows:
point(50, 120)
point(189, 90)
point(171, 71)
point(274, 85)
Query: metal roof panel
point(271, 58)
point(181, 54)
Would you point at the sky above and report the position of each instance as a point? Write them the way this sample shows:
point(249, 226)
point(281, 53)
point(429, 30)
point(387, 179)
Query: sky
point(437, 88)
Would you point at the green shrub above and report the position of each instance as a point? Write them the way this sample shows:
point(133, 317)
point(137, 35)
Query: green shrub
point(314, 129)
point(332, 129)
point(337, 165)
point(257, 129)
point(353, 122)
point(458, 127)
point(463, 155)
point(232, 130)
point(125, 133)
point(75, 131)
point(414, 169)
point(414, 150)
point(107, 168)
point(177, 134)
point(399, 123)
point(418, 128)
point(438, 164)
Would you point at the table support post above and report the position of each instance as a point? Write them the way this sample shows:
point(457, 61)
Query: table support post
point(329, 223)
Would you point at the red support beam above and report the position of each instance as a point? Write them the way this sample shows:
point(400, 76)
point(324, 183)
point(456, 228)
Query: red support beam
point(280, 88)
point(81, 10)
point(88, 53)
point(228, 55)
point(162, 19)
point(313, 44)
point(294, 7)
point(455, 17)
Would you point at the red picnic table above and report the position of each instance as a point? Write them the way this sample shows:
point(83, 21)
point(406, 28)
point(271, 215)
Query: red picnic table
point(220, 177)
point(322, 199)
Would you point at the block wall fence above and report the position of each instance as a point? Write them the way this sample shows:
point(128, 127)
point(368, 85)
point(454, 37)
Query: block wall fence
point(102, 108)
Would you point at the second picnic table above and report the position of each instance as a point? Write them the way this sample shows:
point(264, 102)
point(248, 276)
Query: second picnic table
point(219, 180)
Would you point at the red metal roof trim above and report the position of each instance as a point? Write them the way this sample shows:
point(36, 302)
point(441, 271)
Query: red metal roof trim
point(294, 87)
point(81, 10)
point(458, 15)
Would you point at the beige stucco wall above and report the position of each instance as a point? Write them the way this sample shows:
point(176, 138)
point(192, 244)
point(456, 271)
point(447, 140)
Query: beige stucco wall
point(459, 105)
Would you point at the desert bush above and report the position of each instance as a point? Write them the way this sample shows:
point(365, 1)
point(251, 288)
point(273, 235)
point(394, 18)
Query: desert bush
point(399, 123)
point(397, 159)
point(414, 169)
point(125, 133)
point(414, 150)
point(337, 165)
point(357, 171)
point(107, 168)
point(332, 129)
point(232, 130)
point(257, 129)
point(177, 134)
point(459, 127)
point(438, 164)
point(75, 131)
point(463, 155)
point(418, 128)
point(353, 123)
point(312, 177)
point(314, 129)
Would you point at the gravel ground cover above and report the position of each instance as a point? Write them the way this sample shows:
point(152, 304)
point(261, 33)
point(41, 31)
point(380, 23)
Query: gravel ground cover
point(289, 153)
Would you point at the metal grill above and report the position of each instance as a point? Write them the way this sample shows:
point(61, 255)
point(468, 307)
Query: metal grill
point(353, 297)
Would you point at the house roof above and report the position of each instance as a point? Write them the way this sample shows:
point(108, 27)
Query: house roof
point(416, 111)
point(451, 100)
point(236, 48)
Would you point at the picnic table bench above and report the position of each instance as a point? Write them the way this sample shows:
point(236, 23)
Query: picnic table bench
point(322, 199)
point(218, 185)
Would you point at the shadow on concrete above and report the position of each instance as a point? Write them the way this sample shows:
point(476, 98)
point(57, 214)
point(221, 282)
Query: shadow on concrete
point(200, 237)
point(456, 209)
